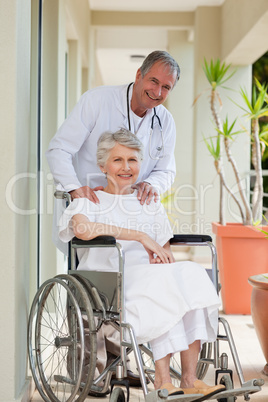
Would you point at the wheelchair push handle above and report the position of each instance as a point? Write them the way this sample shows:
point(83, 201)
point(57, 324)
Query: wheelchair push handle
point(63, 195)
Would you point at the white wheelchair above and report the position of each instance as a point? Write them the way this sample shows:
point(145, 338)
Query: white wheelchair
point(69, 310)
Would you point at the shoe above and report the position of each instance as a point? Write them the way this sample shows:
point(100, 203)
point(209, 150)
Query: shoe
point(171, 389)
point(201, 388)
point(133, 379)
point(98, 394)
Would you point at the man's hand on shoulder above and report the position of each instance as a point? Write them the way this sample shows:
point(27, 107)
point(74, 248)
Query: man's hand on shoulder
point(86, 192)
point(146, 192)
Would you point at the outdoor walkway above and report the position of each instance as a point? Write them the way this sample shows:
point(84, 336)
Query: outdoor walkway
point(249, 352)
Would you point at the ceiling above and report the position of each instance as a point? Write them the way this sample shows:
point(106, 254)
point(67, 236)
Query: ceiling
point(151, 5)
point(115, 45)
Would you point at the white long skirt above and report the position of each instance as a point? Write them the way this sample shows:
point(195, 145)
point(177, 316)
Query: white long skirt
point(171, 305)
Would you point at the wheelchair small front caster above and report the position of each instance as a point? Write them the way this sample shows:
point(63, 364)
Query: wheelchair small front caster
point(117, 395)
point(227, 381)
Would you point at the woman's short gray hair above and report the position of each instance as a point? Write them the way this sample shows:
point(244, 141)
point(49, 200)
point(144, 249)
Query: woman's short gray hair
point(163, 57)
point(108, 140)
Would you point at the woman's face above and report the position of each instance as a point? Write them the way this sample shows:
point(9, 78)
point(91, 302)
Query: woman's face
point(122, 168)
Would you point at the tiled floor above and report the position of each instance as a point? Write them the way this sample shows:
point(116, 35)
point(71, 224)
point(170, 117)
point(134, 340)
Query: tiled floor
point(250, 354)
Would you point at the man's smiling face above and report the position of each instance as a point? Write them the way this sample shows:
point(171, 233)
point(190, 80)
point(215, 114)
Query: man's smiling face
point(152, 89)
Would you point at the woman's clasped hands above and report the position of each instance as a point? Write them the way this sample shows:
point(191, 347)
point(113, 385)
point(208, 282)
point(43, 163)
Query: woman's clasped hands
point(157, 254)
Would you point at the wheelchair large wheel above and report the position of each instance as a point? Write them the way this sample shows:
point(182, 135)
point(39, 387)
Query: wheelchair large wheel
point(148, 361)
point(175, 364)
point(202, 367)
point(56, 341)
point(88, 287)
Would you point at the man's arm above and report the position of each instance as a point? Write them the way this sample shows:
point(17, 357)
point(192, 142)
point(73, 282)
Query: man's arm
point(68, 140)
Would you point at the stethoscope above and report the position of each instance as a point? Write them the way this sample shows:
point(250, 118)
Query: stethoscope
point(159, 149)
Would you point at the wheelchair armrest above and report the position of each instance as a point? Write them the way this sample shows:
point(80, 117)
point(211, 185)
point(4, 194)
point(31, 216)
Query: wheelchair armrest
point(97, 241)
point(195, 238)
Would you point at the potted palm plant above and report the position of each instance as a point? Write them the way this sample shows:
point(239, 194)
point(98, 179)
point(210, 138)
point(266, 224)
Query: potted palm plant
point(242, 250)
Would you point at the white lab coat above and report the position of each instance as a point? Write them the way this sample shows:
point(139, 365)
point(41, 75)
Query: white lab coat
point(72, 151)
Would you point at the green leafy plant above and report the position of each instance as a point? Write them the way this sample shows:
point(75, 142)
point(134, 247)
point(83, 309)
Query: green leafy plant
point(217, 74)
point(167, 200)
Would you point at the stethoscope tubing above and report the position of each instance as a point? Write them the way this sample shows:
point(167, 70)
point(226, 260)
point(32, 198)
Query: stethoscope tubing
point(151, 130)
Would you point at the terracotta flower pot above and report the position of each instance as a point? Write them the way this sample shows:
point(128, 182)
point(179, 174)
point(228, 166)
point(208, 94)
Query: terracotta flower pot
point(242, 252)
point(259, 311)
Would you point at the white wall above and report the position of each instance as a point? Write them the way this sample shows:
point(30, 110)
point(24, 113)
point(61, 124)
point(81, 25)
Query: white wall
point(15, 23)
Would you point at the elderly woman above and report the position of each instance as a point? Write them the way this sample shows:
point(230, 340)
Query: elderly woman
point(172, 305)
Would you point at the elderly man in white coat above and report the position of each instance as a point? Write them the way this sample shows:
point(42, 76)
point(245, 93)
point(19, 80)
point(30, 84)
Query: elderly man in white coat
point(137, 107)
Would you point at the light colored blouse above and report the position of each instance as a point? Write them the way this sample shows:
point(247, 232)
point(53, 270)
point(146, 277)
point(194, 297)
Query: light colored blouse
point(119, 210)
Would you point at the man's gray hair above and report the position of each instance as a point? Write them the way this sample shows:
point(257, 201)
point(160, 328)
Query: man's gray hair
point(163, 57)
point(108, 140)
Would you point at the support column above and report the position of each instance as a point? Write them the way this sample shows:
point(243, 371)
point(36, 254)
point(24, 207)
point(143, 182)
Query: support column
point(179, 104)
point(75, 73)
point(85, 86)
point(206, 44)
point(53, 114)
